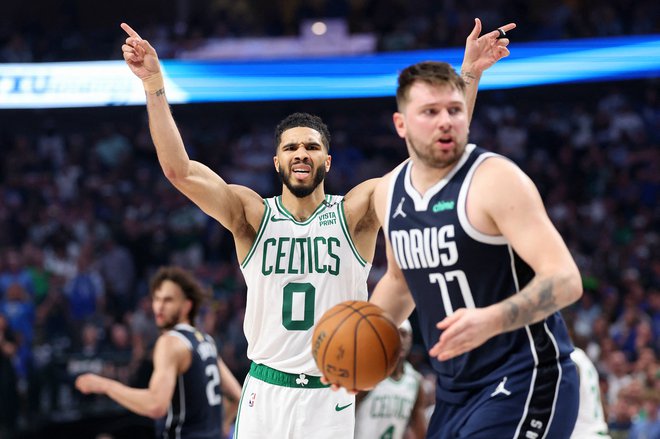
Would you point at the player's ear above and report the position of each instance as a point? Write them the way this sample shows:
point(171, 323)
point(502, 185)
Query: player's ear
point(276, 162)
point(328, 162)
point(399, 124)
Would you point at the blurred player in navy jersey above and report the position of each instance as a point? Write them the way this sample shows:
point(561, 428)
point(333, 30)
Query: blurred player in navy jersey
point(189, 380)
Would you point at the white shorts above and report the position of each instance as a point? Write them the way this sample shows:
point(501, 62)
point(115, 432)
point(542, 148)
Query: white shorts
point(280, 405)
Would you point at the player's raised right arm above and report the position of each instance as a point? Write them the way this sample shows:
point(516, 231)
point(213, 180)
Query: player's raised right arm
point(202, 185)
point(481, 53)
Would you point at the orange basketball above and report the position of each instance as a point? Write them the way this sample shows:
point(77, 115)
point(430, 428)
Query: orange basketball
point(355, 345)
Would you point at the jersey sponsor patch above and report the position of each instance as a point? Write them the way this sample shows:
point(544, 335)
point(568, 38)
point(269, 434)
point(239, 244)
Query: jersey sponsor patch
point(441, 206)
point(327, 219)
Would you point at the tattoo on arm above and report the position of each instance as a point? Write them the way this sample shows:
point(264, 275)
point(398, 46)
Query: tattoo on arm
point(547, 303)
point(536, 301)
point(468, 77)
point(160, 92)
point(512, 312)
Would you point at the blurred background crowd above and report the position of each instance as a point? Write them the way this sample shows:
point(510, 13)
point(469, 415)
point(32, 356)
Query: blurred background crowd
point(69, 30)
point(86, 215)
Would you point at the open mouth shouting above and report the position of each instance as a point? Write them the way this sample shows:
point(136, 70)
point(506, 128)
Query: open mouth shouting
point(301, 171)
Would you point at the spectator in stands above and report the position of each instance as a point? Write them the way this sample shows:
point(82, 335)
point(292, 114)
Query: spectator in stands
point(19, 310)
point(618, 375)
point(647, 424)
point(33, 257)
point(8, 389)
point(85, 292)
point(118, 271)
point(14, 272)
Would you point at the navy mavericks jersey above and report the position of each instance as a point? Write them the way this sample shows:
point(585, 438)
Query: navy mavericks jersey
point(448, 264)
point(195, 411)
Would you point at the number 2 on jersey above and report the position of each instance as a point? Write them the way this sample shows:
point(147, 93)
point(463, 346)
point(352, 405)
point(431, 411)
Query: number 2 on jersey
point(213, 385)
point(308, 292)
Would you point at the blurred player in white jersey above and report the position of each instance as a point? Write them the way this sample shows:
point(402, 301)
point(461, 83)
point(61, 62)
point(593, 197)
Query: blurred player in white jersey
point(396, 405)
point(591, 419)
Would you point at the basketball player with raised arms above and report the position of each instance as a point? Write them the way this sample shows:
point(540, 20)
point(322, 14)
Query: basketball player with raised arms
point(469, 244)
point(301, 252)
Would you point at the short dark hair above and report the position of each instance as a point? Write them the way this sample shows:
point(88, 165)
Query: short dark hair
point(431, 72)
point(303, 120)
point(192, 289)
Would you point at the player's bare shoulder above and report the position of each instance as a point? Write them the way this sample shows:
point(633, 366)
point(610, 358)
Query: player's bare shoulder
point(500, 190)
point(500, 178)
point(172, 349)
point(249, 198)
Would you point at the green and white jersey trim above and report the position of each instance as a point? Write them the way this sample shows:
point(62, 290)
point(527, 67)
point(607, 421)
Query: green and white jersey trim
point(344, 228)
point(295, 271)
point(262, 227)
point(283, 210)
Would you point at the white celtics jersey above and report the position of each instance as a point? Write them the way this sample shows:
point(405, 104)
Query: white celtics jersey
point(295, 271)
point(385, 412)
point(591, 420)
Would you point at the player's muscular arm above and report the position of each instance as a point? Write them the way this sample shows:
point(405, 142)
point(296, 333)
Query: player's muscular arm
point(237, 208)
point(503, 200)
point(170, 358)
point(226, 203)
point(231, 388)
point(535, 302)
point(204, 187)
point(231, 391)
point(518, 213)
point(392, 292)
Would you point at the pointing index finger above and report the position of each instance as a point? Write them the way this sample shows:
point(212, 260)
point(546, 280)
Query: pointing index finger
point(130, 31)
point(506, 28)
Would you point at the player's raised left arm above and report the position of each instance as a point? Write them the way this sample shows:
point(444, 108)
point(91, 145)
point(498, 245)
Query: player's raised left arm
point(481, 53)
